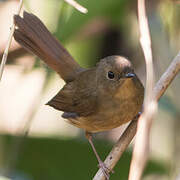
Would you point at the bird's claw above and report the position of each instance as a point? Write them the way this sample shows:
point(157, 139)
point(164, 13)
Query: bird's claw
point(105, 170)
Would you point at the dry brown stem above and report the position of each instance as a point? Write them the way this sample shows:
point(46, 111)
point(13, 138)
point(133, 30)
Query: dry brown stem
point(77, 6)
point(5, 54)
point(129, 133)
point(141, 147)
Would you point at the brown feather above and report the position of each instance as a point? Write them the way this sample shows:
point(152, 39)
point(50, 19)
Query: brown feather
point(35, 37)
point(76, 96)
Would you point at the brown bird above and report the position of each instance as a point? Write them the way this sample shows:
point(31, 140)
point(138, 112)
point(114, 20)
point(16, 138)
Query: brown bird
point(96, 99)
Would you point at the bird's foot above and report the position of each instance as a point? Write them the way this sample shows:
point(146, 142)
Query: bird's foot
point(106, 171)
point(137, 116)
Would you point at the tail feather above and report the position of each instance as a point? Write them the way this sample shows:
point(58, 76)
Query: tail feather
point(28, 44)
point(35, 37)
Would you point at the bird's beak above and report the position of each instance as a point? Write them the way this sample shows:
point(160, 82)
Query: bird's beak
point(130, 75)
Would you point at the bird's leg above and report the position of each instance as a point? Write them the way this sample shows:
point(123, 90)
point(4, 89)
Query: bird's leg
point(105, 170)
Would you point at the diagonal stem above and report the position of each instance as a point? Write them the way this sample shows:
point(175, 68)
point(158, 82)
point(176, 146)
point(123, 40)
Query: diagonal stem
point(5, 54)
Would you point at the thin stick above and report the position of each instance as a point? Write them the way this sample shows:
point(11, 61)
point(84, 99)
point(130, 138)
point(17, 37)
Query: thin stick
point(5, 54)
point(77, 6)
point(167, 77)
point(145, 41)
point(141, 147)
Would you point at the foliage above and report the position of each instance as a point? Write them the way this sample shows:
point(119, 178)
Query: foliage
point(50, 158)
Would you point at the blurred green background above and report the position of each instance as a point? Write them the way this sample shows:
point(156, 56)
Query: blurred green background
point(53, 149)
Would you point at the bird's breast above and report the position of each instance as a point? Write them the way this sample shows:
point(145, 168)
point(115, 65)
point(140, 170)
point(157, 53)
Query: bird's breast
point(114, 110)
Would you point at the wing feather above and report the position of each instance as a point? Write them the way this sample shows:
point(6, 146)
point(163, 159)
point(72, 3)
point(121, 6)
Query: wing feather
point(76, 97)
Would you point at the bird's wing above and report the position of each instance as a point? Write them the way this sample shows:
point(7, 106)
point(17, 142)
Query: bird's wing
point(74, 99)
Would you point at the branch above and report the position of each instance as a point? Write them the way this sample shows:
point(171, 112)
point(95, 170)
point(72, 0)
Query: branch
point(77, 6)
point(167, 77)
point(141, 147)
point(130, 132)
point(5, 55)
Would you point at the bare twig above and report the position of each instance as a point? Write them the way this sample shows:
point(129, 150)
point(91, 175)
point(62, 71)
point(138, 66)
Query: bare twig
point(4, 58)
point(145, 41)
point(141, 147)
point(129, 133)
point(118, 149)
point(167, 77)
point(77, 6)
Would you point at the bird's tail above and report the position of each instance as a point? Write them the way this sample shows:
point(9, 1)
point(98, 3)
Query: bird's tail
point(32, 34)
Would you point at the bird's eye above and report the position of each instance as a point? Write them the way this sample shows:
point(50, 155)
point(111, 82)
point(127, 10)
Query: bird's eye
point(111, 75)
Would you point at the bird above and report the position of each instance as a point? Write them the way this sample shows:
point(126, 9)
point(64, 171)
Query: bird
point(95, 99)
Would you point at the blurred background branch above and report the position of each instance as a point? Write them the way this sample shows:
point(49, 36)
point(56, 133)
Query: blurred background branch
point(77, 6)
point(5, 54)
point(142, 141)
